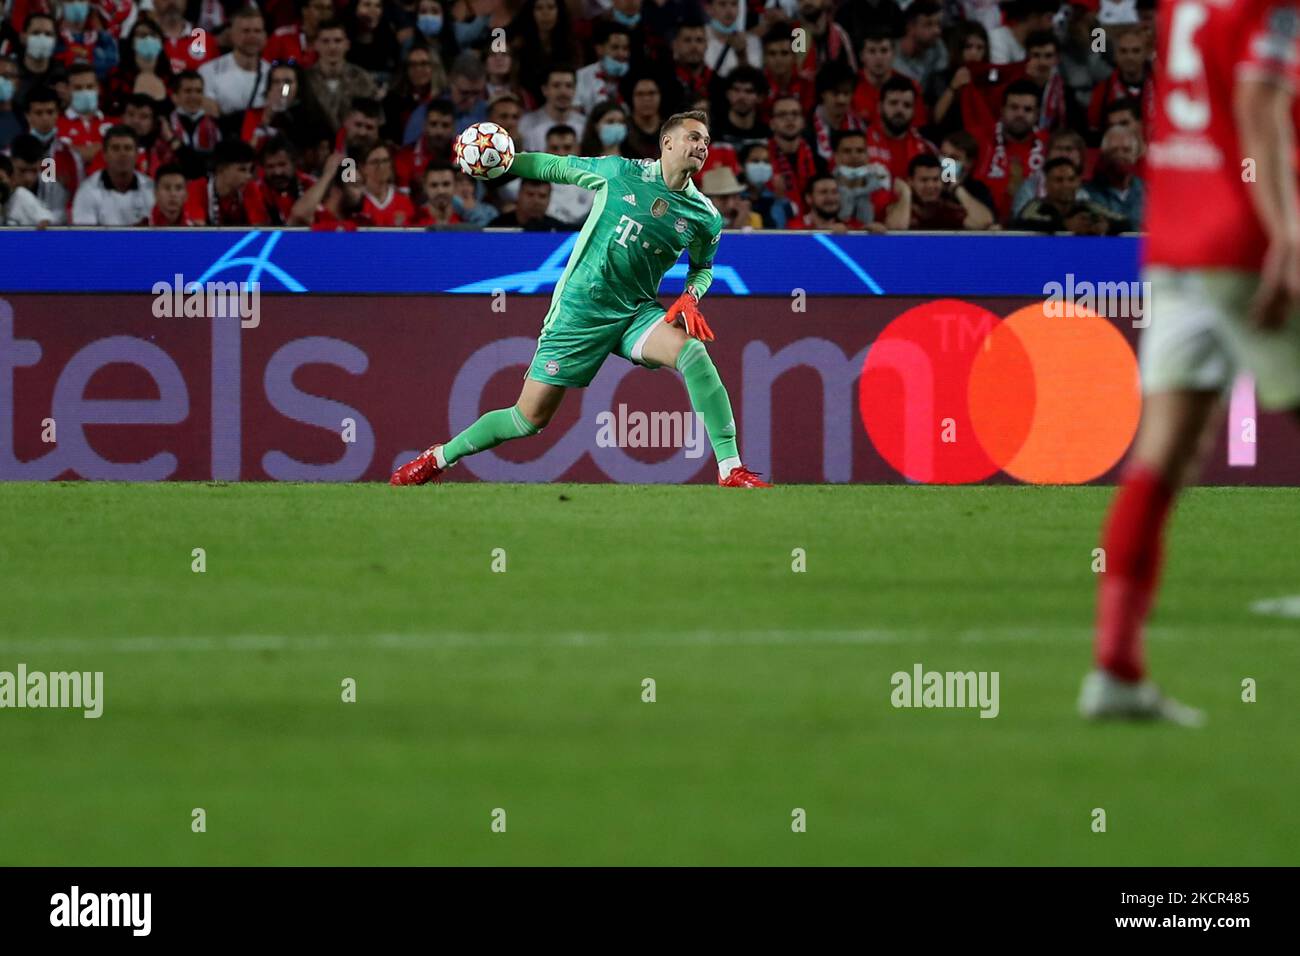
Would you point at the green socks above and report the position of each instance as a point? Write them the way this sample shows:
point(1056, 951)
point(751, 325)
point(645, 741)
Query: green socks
point(489, 431)
point(709, 398)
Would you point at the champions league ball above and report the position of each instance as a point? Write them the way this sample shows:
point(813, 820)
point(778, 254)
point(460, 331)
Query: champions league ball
point(484, 151)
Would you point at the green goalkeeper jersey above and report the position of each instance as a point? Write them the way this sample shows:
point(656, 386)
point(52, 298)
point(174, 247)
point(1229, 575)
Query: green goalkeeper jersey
point(635, 232)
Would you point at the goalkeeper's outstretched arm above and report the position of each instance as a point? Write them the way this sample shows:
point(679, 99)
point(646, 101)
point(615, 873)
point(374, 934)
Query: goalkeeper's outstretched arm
point(573, 170)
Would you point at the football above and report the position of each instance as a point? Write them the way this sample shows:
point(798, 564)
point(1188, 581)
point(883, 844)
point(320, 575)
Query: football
point(484, 151)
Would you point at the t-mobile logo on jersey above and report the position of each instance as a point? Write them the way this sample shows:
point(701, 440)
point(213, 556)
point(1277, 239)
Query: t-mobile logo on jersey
point(628, 228)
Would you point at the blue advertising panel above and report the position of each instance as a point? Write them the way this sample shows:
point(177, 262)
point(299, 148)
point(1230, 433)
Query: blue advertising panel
point(410, 262)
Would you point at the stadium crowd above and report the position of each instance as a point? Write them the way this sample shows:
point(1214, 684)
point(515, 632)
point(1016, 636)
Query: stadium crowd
point(879, 115)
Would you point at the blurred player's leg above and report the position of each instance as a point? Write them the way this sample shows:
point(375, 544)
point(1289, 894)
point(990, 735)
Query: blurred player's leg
point(1164, 454)
point(669, 345)
point(537, 403)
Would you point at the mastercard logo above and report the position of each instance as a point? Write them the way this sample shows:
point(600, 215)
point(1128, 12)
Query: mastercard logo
point(951, 393)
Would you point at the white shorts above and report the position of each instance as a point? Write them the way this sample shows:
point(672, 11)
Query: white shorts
point(1200, 338)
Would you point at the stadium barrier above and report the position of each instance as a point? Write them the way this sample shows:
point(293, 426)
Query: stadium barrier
point(333, 358)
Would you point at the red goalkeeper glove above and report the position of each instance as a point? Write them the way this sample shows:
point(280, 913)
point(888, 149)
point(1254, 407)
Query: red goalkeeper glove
point(686, 306)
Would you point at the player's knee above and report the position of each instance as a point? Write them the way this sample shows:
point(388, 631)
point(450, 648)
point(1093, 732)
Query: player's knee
point(538, 417)
point(694, 359)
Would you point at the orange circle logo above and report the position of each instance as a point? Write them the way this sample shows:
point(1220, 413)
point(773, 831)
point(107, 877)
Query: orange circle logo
point(951, 394)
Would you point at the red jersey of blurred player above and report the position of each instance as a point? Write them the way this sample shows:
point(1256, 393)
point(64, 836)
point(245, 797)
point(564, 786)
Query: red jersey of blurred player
point(1221, 264)
point(1199, 212)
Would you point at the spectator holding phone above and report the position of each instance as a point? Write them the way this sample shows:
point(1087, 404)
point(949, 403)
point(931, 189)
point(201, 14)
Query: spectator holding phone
point(1062, 211)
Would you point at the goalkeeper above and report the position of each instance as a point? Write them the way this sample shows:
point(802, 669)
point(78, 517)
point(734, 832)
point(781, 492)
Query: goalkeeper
point(645, 213)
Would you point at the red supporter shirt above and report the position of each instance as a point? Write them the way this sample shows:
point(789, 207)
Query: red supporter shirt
point(1004, 164)
point(156, 219)
point(424, 217)
point(1113, 89)
point(326, 221)
point(395, 210)
point(150, 160)
point(77, 130)
point(799, 86)
point(186, 52)
point(409, 164)
point(281, 204)
point(244, 209)
point(894, 153)
point(289, 43)
point(799, 222)
point(866, 99)
point(1199, 213)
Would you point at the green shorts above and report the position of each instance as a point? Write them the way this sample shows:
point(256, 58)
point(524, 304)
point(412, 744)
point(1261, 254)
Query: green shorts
point(576, 341)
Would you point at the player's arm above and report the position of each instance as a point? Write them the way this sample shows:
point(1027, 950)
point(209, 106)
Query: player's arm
point(700, 274)
point(584, 171)
point(698, 279)
point(1262, 105)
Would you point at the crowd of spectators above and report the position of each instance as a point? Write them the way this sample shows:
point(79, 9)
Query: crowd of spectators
point(879, 115)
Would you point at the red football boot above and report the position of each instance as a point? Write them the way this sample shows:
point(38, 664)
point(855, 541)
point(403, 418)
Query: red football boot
point(420, 470)
point(742, 477)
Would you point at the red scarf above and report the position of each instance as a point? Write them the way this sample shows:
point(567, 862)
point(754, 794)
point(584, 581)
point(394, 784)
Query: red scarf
point(697, 83)
point(998, 167)
point(995, 171)
point(794, 173)
point(1051, 110)
point(205, 137)
point(822, 129)
point(1117, 89)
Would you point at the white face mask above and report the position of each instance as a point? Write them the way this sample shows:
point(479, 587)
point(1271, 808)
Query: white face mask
point(40, 46)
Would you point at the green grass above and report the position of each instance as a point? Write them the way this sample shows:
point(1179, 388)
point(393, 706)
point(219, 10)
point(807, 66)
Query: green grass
point(522, 690)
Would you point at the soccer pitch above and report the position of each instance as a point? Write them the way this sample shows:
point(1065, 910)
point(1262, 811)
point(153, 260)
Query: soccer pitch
point(479, 689)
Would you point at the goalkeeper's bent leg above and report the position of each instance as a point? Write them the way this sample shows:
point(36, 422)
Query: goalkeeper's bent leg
point(490, 430)
point(709, 398)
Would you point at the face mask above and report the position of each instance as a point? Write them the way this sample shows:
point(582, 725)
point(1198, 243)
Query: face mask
point(611, 134)
point(44, 137)
point(758, 174)
point(85, 101)
point(956, 167)
point(721, 27)
point(147, 48)
point(627, 19)
point(613, 67)
point(40, 46)
point(6, 89)
point(851, 172)
point(76, 12)
point(468, 32)
point(430, 24)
